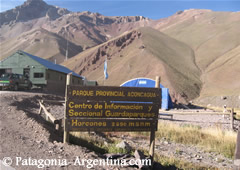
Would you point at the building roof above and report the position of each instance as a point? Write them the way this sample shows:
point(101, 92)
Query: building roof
point(50, 65)
point(140, 82)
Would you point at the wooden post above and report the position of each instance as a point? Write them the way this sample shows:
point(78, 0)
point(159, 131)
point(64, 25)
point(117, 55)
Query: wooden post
point(152, 135)
point(47, 118)
point(40, 110)
point(57, 127)
point(66, 132)
point(48, 115)
point(232, 119)
point(237, 151)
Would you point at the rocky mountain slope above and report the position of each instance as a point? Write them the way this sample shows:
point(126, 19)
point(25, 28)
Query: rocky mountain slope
point(41, 42)
point(83, 29)
point(31, 9)
point(195, 51)
point(144, 52)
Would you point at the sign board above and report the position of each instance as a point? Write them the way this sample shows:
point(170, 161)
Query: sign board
point(107, 93)
point(109, 109)
point(102, 108)
point(109, 125)
point(87, 109)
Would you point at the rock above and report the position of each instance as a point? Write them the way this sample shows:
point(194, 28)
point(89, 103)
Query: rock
point(124, 145)
point(179, 12)
point(140, 156)
point(223, 97)
point(199, 159)
point(219, 160)
point(163, 139)
point(39, 141)
point(105, 143)
point(113, 156)
point(165, 142)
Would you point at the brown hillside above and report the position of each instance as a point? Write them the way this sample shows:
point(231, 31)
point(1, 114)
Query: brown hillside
point(222, 77)
point(85, 29)
point(214, 37)
point(42, 43)
point(195, 49)
point(142, 53)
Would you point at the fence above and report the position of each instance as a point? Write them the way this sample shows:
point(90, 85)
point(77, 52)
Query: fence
point(49, 116)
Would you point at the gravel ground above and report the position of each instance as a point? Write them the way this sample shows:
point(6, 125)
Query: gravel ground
point(220, 101)
point(202, 120)
point(187, 153)
point(197, 117)
point(25, 133)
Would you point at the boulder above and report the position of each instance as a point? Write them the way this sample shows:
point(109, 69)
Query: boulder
point(124, 145)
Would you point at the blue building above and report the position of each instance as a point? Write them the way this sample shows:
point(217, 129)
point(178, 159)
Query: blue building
point(145, 82)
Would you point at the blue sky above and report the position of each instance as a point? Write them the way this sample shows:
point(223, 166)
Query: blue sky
point(154, 9)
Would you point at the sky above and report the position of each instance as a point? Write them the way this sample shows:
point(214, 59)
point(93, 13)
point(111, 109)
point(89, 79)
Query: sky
point(154, 9)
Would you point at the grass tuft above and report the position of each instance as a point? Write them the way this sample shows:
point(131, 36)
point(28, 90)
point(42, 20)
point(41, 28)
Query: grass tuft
point(95, 144)
point(210, 139)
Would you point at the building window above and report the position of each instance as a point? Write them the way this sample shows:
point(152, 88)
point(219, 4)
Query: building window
point(38, 75)
point(8, 70)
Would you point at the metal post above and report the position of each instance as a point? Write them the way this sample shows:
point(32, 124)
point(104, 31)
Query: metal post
point(152, 135)
point(66, 132)
point(232, 119)
point(237, 151)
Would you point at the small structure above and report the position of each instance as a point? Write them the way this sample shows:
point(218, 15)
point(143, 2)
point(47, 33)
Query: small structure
point(146, 82)
point(42, 73)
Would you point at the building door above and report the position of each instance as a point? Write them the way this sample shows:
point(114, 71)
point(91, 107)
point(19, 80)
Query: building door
point(26, 72)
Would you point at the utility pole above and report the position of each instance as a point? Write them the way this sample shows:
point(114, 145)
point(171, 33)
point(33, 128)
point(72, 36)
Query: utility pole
point(67, 46)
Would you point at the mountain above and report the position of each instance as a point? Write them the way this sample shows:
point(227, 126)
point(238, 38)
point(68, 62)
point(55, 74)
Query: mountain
point(214, 37)
point(196, 52)
point(83, 29)
point(31, 9)
point(42, 43)
point(143, 52)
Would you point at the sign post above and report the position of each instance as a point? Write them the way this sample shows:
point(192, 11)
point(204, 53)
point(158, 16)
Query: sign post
point(237, 151)
point(66, 132)
point(152, 135)
point(111, 109)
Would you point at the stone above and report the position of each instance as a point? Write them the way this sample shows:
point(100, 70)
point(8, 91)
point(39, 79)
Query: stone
point(223, 97)
point(124, 145)
point(199, 159)
point(139, 155)
point(165, 142)
point(113, 156)
point(105, 143)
